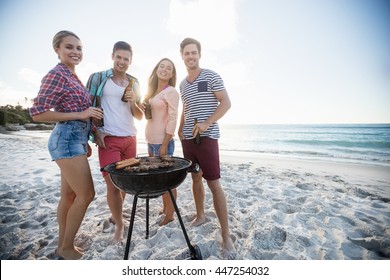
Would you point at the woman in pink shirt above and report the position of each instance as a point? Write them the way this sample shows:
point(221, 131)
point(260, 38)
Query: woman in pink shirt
point(164, 101)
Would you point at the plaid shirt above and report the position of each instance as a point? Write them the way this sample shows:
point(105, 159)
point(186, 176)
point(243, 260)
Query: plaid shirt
point(62, 91)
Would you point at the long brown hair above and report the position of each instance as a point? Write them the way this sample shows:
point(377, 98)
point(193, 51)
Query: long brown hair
point(153, 79)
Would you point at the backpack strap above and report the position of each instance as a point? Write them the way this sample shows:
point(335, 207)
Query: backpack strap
point(96, 83)
point(99, 81)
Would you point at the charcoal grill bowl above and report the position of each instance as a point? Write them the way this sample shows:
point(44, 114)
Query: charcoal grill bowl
point(149, 183)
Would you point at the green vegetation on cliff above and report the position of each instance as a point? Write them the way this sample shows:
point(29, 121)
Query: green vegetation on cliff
point(14, 114)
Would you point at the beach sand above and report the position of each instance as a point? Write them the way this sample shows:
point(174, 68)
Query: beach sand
point(279, 209)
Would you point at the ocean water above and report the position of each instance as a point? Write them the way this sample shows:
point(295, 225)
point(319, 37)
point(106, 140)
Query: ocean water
point(351, 143)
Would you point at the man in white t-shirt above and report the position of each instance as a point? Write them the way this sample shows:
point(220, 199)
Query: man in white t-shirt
point(116, 139)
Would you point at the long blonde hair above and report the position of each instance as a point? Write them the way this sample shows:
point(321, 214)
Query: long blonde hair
point(153, 79)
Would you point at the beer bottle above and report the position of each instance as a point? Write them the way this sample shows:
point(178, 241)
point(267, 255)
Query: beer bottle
point(129, 87)
point(99, 122)
point(197, 136)
point(148, 110)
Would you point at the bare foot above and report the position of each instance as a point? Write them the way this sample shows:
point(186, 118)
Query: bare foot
point(69, 254)
point(81, 250)
point(198, 221)
point(166, 220)
point(118, 236)
point(228, 250)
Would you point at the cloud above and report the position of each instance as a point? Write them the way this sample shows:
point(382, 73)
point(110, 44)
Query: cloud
point(31, 77)
point(11, 96)
point(27, 88)
point(214, 22)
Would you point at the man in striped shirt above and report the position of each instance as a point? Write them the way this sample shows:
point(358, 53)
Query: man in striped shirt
point(205, 101)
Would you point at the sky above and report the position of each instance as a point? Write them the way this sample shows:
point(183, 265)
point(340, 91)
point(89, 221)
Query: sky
point(282, 61)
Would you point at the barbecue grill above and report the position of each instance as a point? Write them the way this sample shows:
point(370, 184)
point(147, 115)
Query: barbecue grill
point(151, 184)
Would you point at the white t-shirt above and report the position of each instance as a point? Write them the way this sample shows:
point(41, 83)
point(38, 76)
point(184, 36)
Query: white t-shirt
point(118, 118)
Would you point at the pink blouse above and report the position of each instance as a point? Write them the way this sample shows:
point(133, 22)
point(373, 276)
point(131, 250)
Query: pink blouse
point(164, 115)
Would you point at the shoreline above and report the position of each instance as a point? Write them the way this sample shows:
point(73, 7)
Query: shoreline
point(371, 178)
point(380, 173)
point(360, 173)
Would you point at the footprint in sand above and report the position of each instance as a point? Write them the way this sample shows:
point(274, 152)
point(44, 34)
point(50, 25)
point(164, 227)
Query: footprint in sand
point(285, 208)
point(377, 245)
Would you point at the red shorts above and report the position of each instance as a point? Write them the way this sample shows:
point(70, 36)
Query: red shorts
point(117, 148)
point(206, 154)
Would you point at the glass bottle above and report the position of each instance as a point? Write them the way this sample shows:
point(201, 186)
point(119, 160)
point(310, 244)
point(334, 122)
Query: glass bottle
point(99, 122)
point(129, 87)
point(148, 110)
point(197, 136)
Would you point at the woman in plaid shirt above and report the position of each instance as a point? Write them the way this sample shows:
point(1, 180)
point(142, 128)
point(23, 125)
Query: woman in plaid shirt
point(62, 98)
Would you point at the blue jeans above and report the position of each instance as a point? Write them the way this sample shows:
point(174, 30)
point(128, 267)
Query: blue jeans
point(69, 139)
point(153, 148)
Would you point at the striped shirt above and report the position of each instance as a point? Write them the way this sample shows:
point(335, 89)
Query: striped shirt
point(62, 91)
point(199, 101)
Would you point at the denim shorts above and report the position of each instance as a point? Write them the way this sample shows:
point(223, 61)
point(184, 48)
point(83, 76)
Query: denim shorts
point(69, 139)
point(153, 148)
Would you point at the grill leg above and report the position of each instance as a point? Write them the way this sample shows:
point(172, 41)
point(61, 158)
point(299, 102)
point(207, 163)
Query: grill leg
point(126, 256)
point(147, 218)
point(192, 249)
